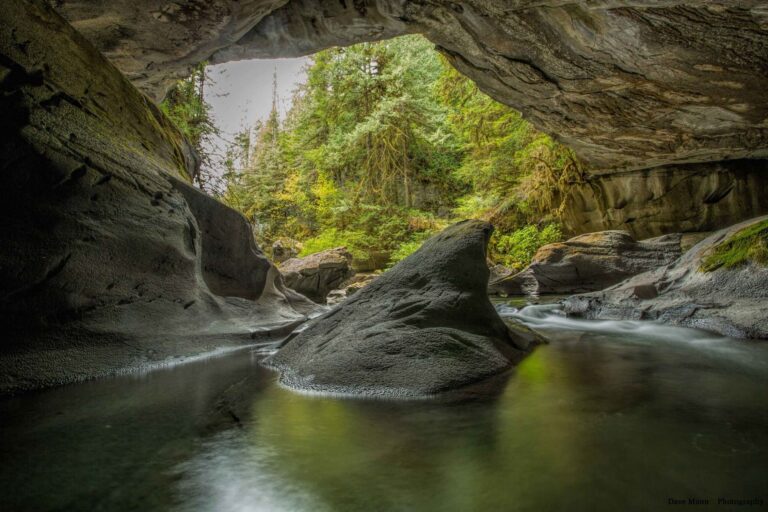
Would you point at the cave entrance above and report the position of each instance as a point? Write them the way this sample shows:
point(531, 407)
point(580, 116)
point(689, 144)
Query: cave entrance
point(372, 147)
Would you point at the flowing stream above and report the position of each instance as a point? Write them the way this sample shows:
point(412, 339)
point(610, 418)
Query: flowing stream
point(607, 416)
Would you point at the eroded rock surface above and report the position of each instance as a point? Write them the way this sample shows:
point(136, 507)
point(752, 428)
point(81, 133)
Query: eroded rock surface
point(423, 327)
point(628, 84)
point(730, 301)
point(589, 262)
point(678, 198)
point(109, 260)
point(319, 273)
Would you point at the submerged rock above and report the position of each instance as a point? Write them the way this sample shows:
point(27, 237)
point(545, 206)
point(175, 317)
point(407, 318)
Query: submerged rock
point(589, 262)
point(694, 291)
point(317, 274)
point(424, 327)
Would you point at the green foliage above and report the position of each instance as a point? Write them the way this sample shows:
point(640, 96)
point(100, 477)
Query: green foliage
point(516, 249)
point(384, 145)
point(186, 107)
point(405, 250)
point(409, 247)
point(331, 238)
point(517, 175)
point(749, 244)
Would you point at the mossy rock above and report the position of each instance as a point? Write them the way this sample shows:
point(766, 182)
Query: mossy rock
point(748, 244)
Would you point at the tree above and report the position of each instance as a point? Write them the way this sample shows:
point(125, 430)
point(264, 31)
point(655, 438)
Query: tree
point(384, 144)
point(186, 107)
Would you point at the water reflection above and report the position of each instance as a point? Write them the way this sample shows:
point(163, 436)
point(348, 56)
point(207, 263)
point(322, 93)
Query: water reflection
point(590, 422)
point(605, 417)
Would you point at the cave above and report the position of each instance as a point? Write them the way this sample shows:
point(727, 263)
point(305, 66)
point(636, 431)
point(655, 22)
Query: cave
point(664, 103)
point(111, 261)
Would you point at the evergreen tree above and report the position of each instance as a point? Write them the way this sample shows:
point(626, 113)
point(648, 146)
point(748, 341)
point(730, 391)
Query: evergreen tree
point(386, 143)
point(185, 105)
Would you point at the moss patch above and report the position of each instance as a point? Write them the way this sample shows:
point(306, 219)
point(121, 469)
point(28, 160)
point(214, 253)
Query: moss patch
point(749, 244)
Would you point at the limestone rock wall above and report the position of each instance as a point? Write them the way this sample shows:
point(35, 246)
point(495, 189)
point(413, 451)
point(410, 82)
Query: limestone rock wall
point(685, 198)
point(589, 262)
point(108, 260)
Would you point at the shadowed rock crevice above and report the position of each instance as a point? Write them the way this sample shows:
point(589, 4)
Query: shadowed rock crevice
point(426, 326)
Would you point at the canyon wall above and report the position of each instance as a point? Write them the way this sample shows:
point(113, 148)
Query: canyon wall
point(109, 260)
point(629, 84)
point(652, 202)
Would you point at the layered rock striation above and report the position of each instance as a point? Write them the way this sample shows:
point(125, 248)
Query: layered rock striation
point(695, 292)
point(424, 327)
point(589, 262)
point(679, 198)
point(627, 84)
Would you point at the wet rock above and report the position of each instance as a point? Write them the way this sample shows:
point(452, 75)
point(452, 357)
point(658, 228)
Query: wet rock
point(498, 272)
point(109, 260)
point(730, 301)
point(317, 274)
point(423, 327)
point(589, 262)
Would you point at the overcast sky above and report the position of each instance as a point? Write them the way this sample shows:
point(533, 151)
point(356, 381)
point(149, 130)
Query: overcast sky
point(241, 92)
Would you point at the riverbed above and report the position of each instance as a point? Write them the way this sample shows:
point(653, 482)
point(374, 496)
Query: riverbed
point(606, 416)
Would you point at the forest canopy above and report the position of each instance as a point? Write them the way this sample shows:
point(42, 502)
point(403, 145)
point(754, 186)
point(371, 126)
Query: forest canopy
point(386, 143)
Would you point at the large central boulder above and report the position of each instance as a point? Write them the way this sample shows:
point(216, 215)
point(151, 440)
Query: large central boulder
point(424, 327)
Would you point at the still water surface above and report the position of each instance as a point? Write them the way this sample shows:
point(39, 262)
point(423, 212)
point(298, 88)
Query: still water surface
point(608, 416)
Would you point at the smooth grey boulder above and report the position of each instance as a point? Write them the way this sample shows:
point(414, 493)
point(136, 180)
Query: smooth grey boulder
point(731, 301)
point(319, 273)
point(589, 262)
point(424, 327)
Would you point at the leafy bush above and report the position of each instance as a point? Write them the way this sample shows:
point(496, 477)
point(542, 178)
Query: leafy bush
point(516, 250)
point(404, 251)
point(331, 238)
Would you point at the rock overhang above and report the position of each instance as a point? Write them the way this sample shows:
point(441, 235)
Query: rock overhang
point(627, 84)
